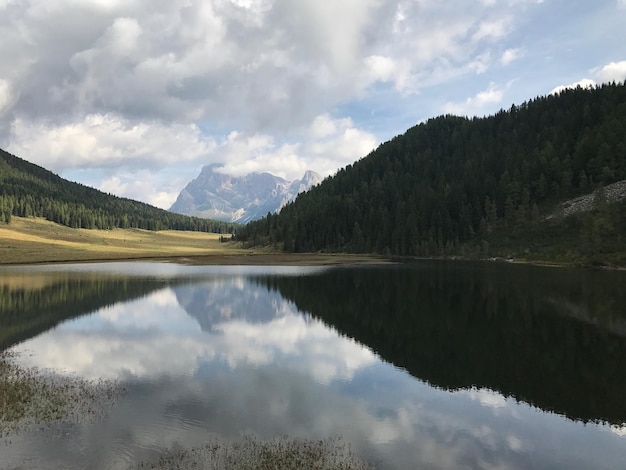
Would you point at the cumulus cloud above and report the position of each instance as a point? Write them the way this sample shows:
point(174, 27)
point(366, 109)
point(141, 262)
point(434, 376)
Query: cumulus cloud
point(618, 430)
point(5, 95)
point(584, 83)
point(492, 30)
point(386, 69)
point(611, 72)
point(614, 71)
point(261, 65)
point(327, 145)
point(107, 140)
point(486, 397)
point(126, 84)
point(157, 190)
point(510, 55)
point(476, 104)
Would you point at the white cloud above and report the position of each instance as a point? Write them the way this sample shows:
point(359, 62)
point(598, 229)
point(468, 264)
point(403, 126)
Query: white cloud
point(266, 69)
point(487, 397)
point(618, 430)
point(100, 141)
point(327, 145)
point(386, 69)
point(614, 71)
point(476, 104)
point(6, 96)
point(146, 189)
point(493, 29)
point(510, 55)
point(256, 66)
point(584, 83)
point(514, 443)
point(621, 4)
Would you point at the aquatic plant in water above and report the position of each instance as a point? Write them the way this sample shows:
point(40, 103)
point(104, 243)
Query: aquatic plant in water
point(252, 454)
point(31, 398)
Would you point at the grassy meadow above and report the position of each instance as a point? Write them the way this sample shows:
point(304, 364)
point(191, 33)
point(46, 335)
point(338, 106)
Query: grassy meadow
point(35, 240)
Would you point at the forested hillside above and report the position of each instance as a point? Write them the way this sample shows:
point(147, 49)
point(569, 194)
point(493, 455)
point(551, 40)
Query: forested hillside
point(28, 190)
point(454, 184)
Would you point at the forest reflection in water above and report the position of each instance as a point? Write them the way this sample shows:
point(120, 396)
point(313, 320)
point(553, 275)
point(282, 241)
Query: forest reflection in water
point(554, 338)
point(225, 351)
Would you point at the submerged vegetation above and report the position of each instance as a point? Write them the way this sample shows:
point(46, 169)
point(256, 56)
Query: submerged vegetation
point(31, 399)
point(252, 454)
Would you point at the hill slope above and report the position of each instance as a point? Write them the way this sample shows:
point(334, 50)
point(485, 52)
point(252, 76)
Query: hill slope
point(451, 183)
point(29, 190)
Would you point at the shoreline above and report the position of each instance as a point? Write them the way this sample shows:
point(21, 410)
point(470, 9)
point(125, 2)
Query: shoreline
point(35, 241)
point(239, 258)
point(226, 259)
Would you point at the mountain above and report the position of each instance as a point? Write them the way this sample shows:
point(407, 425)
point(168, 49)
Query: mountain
point(218, 196)
point(28, 190)
point(458, 186)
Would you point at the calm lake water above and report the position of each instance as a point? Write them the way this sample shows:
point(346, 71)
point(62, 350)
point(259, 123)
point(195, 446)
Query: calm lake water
point(425, 365)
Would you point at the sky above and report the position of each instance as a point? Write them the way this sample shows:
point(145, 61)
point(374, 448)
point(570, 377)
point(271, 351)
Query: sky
point(134, 97)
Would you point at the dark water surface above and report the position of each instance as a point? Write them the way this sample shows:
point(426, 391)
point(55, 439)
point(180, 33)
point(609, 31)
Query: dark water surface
point(425, 365)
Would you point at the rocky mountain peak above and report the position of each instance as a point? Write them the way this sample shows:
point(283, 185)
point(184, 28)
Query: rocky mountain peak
point(242, 199)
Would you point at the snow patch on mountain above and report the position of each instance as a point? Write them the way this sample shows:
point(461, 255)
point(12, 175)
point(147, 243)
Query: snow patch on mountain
point(214, 195)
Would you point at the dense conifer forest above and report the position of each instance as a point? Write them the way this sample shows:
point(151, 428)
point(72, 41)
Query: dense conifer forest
point(28, 190)
point(473, 186)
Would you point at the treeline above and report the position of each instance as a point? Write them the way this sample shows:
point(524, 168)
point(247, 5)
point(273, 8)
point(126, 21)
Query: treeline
point(452, 179)
point(27, 190)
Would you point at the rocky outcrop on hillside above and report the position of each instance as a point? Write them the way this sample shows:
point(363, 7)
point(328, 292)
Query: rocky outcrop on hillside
point(613, 193)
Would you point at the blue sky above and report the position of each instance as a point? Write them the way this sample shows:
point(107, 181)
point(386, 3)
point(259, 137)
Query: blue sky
point(134, 97)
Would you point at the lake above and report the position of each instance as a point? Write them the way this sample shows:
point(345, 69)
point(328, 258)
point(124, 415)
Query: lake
point(417, 365)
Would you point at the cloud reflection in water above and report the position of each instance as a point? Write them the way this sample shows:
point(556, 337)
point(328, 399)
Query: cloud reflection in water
point(226, 356)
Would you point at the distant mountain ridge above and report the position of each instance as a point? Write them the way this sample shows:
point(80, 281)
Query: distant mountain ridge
point(239, 199)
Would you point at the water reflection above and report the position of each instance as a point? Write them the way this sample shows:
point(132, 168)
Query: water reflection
point(270, 351)
point(554, 338)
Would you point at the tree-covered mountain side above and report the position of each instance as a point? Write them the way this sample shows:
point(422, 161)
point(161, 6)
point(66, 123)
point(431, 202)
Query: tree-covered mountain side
point(475, 187)
point(28, 190)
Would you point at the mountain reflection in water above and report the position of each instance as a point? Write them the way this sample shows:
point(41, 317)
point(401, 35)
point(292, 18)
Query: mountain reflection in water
point(219, 352)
